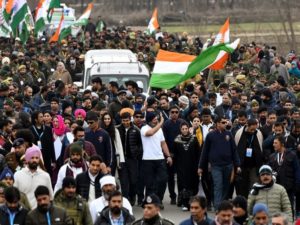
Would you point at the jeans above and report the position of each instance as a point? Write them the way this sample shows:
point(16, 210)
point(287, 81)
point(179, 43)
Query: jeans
point(221, 181)
point(155, 177)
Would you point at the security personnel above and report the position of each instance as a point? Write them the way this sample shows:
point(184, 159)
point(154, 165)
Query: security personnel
point(152, 216)
point(74, 204)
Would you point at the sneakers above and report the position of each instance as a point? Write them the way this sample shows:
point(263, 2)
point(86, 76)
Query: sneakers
point(184, 209)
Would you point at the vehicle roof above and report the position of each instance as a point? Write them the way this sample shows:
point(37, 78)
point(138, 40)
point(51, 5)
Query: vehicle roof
point(109, 55)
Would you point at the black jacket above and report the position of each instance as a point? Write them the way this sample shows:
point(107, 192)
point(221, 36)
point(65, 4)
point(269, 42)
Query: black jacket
point(288, 173)
point(104, 219)
point(19, 218)
point(131, 141)
point(46, 139)
point(83, 185)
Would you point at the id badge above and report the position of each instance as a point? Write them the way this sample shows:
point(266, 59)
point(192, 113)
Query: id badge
point(39, 144)
point(249, 152)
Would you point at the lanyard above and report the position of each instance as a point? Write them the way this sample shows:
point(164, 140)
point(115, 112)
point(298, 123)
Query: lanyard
point(37, 133)
point(280, 159)
point(252, 137)
point(48, 218)
point(11, 217)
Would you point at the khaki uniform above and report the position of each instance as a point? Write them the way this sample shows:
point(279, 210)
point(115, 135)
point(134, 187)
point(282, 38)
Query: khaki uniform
point(77, 208)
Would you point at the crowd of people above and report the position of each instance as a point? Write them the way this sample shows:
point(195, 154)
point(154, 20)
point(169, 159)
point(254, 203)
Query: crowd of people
point(68, 157)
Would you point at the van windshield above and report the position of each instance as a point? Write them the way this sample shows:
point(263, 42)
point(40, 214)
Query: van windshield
point(121, 79)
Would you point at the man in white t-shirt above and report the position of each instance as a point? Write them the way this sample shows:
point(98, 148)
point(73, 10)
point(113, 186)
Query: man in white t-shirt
point(155, 156)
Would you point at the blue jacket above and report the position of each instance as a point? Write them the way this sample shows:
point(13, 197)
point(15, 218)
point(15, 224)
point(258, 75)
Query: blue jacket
point(219, 150)
point(189, 221)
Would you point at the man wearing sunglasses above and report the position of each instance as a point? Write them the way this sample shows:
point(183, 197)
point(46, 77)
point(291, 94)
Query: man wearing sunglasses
point(171, 129)
point(220, 151)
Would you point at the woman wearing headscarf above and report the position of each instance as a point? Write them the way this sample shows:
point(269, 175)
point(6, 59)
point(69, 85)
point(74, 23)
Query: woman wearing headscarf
point(60, 140)
point(186, 149)
point(61, 74)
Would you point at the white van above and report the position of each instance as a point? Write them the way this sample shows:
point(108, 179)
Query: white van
point(118, 65)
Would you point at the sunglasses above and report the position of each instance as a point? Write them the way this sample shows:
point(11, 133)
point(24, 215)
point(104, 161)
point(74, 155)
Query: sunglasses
point(224, 122)
point(176, 112)
point(90, 122)
point(139, 117)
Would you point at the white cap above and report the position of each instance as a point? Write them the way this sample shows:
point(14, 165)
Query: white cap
point(95, 95)
point(108, 179)
point(140, 84)
point(184, 99)
point(5, 60)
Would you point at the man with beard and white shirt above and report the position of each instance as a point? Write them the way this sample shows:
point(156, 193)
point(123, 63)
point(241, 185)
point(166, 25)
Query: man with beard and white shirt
point(108, 185)
point(30, 177)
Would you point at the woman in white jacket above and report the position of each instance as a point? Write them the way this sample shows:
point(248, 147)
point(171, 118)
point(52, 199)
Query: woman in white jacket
point(107, 124)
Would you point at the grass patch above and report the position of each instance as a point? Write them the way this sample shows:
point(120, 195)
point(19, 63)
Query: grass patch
point(234, 28)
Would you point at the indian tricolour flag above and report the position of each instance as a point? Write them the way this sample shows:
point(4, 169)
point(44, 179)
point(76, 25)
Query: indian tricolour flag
point(55, 36)
point(82, 20)
point(222, 37)
point(52, 5)
point(16, 11)
point(40, 13)
point(171, 68)
point(4, 27)
point(153, 24)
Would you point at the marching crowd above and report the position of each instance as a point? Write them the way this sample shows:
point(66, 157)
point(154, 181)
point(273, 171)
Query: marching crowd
point(86, 158)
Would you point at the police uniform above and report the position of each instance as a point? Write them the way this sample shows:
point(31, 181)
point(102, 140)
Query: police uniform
point(153, 199)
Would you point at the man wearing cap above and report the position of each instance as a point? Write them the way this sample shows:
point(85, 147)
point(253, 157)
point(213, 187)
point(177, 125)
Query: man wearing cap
point(74, 166)
point(108, 185)
point(240, 214)
point(116, 105)
point(260, 214)
point(18, 152)
point(7, 178)
point(27, 179)
point(151, 215)
point(22, 78)
point(9, 111)
point(46, 212)
point(266, 191)
point(12, 212)
point(99, 138)
point(155, 155)
point(76, 207)
point(115, 213)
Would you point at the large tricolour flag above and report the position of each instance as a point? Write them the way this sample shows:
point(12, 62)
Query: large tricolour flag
point(40, 13)
point(209, 57)
point(169, 69)
point(222, 37)
point(153, 24)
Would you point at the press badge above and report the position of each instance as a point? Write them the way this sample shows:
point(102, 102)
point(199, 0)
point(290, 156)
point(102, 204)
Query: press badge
point(39, 144)
point(249, 152)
